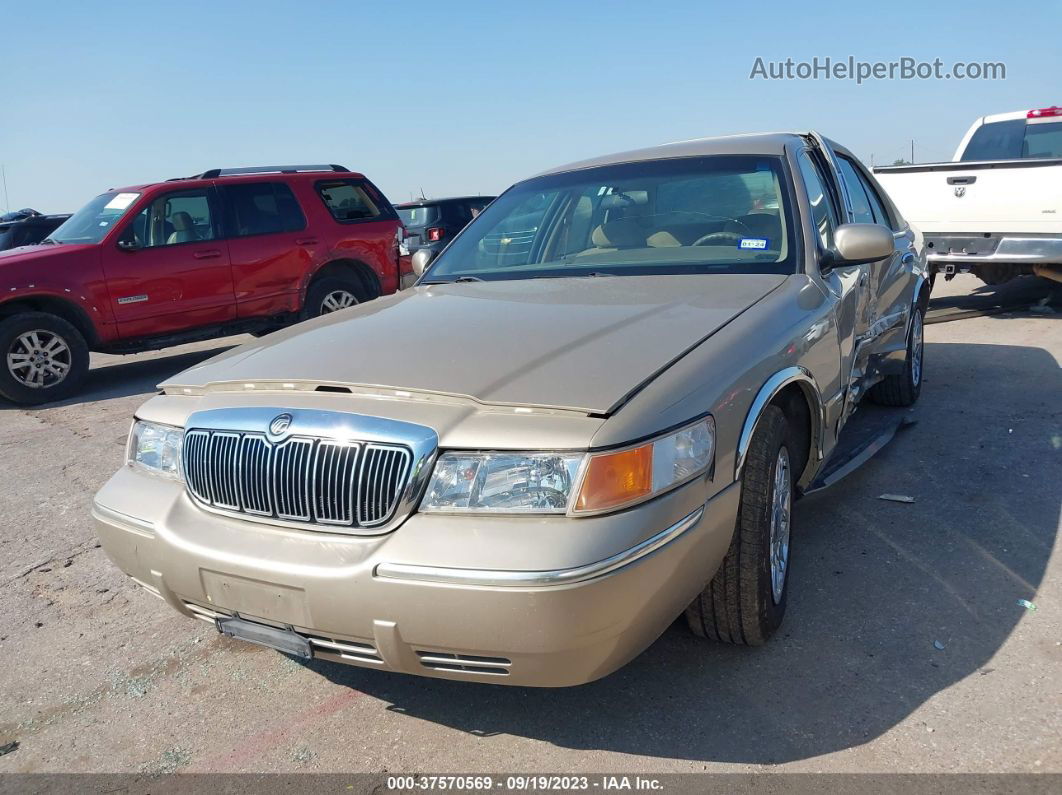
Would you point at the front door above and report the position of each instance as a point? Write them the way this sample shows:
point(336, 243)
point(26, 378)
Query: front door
point(170, 270)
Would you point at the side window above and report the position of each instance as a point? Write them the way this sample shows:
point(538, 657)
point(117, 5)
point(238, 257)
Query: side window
point(877, 206)
point(348, 200)
point(861, 210)
point(184, 217)
point(262, 208)
point(822, 212)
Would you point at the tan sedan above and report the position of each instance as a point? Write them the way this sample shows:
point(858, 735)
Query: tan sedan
point(592, 413)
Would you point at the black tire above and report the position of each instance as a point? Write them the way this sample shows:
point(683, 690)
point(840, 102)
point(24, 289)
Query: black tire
point(320, 290)
point(740, 605)
point(16, 375)
point(904, 388)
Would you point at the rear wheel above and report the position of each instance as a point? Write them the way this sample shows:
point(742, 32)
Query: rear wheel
point(904, 388)
point(746, 599)
point(330, 294)
point(44, 358)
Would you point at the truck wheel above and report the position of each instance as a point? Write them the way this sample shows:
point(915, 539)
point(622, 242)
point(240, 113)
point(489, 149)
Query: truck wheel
point(745, 601)
point(904, 388)
point(331, 294)
point(44, 358)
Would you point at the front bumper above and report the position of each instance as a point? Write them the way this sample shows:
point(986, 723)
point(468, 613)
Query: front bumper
point(524, 601)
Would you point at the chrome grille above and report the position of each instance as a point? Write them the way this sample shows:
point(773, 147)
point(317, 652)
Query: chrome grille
point(302, 479)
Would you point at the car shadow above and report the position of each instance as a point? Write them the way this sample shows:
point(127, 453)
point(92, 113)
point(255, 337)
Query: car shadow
point(139, 376)
point(1041, 296)
point(890, 604)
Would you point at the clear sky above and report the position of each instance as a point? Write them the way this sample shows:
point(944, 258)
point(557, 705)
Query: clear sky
point(467, 97)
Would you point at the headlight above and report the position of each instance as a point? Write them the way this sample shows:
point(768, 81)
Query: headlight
point(545, 482)
point(502, 482)
point(618, 479)
point(156, 448)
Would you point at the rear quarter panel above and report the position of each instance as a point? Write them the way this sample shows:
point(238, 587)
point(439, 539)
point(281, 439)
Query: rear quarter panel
point(368, 242)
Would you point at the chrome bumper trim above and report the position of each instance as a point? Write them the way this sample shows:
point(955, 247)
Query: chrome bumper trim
point(125, 521)
point(1015, 250)
point(450, 576)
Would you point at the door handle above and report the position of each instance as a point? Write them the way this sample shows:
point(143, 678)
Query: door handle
point(305, 241)
point(209, 253)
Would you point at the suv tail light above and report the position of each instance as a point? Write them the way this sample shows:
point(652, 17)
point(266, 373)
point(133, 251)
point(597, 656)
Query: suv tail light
point(1044, 113)
point(435, 234)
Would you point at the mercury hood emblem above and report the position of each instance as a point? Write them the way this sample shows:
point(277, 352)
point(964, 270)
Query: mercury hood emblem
point(279, 425)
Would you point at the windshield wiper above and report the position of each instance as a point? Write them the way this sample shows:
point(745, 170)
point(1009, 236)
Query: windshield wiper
point(467, 279)
point(48, 242)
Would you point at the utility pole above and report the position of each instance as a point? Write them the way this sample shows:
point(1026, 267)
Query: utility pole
point(3, 176)
point(912, 150)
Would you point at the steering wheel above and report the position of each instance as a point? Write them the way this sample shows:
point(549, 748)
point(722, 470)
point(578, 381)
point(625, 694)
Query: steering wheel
point(723, 238)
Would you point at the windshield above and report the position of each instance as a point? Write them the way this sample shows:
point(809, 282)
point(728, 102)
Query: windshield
point(1015, 139)
point(719, 214)
point(418, 216)
point(93, 221)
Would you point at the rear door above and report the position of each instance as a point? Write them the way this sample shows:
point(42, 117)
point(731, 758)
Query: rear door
point(170, 268)
point(269, 244)
point(889, 281)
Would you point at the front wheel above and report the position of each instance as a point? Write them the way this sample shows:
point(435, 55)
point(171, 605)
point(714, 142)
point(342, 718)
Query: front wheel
point(44, 358)
point(904, 388)
point(746, 599)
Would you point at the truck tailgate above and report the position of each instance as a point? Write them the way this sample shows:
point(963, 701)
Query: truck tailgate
point(1013, 196)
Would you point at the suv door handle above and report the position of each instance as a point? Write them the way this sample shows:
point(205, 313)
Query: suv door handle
point(209, 253)
point(305, 241)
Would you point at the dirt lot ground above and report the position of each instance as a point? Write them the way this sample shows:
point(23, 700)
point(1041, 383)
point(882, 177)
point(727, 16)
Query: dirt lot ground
point(904, 649)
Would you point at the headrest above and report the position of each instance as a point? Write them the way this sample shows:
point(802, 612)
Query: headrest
point(621, 233)
point(182, 221)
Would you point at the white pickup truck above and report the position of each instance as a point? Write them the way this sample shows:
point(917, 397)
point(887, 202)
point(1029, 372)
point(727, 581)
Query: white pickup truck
point(996, 209)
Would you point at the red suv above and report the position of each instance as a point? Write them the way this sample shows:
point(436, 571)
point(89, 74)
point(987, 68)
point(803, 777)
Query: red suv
point(227, 251)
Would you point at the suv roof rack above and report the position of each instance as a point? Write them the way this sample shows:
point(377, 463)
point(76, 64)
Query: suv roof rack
point(213, 173)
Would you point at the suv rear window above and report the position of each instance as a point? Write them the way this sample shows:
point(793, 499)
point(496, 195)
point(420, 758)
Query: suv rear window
point(1015, 139)
point(418, 216)
point(349, 200)
point(263, 208)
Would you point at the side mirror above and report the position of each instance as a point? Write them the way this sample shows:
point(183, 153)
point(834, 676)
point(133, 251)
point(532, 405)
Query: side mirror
point(421, 259)
point(854, 244)
point(129, 245)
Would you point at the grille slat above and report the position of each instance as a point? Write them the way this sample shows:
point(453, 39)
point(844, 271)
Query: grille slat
point(302, 479)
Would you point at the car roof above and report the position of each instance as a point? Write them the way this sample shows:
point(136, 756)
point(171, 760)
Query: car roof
point(746, 144)
point(428, 202)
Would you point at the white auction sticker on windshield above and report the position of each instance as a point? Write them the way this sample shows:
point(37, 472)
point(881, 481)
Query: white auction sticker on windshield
point(120, 201)
point(757, 243)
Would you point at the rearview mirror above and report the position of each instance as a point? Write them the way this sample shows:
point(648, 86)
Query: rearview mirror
point(128, 245)
point(421, 259)
point(854, 244)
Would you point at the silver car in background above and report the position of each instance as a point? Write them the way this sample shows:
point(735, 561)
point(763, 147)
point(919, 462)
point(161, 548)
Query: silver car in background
point(592, 413)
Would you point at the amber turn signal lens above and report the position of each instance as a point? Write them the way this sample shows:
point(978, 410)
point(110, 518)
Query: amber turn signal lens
point(614, 479)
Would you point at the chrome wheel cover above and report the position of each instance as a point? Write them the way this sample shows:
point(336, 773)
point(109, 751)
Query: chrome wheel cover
point(336, 300)
point(781, 509)
point(39, 359)
point(916, 348)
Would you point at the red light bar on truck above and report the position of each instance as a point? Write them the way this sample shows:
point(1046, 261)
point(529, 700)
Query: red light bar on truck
point(1044, 113)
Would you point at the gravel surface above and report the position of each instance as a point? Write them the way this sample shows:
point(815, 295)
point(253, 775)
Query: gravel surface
point(904, 649)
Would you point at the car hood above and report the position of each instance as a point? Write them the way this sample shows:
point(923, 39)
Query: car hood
point(26, 254)
point(582, 344)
